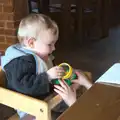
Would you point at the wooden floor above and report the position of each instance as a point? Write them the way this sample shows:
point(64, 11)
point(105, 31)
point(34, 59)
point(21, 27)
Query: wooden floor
point(96, 57)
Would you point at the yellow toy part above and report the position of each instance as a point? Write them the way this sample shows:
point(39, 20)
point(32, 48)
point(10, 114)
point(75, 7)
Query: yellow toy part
point(68, 70)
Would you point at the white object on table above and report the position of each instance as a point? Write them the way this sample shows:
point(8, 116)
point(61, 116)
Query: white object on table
point(112, 75)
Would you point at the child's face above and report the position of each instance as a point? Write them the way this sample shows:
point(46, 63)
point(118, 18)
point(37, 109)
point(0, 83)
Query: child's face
point(45, 44)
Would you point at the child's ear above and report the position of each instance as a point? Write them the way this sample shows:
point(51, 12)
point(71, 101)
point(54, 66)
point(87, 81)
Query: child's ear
point(31, 42)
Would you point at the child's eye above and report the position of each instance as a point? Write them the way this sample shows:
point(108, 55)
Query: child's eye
point(49, 44)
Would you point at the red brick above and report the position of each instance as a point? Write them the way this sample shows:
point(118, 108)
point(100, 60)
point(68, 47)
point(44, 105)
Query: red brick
point(6, 16)
point(11, 39)
point(3, 46)
point(8, 8)
point(11, 32)
point(2, 24)
point(2, 31)
point(10, 16)
point(2, 16)
point(18, 16)
point(2, 39)
point(6, 2)
point(12, 24)
point(1, 8)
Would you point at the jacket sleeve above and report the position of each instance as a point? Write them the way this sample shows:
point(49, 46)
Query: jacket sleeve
point(21, 77)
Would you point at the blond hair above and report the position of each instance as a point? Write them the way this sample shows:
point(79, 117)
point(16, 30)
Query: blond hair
point(32, 25)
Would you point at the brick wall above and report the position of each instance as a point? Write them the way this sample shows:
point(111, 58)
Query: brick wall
point(11, 12)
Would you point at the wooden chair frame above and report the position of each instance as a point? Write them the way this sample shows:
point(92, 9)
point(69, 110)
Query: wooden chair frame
point(38, 108)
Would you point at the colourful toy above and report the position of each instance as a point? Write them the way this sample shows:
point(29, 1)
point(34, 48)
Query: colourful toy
point(69, 74)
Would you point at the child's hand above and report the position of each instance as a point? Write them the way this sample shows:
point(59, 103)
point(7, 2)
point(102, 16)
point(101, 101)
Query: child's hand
point(82, 80)
point(68, 95)
point(55, 72)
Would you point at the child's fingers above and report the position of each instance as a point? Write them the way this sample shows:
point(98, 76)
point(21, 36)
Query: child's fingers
point(59, 92)
point(59, 88)
point(60, 73)
point(59, 76)
point(63, 84)
point(59, 68)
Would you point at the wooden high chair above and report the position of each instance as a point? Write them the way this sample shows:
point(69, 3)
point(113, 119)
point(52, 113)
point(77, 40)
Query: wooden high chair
point(38, 108)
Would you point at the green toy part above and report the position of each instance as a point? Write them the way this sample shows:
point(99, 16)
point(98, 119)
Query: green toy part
point(69, 74)
point(68, 81)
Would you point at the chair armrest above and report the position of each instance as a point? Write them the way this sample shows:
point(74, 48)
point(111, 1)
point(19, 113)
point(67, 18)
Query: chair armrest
point(24, 103)
point(53, 100)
